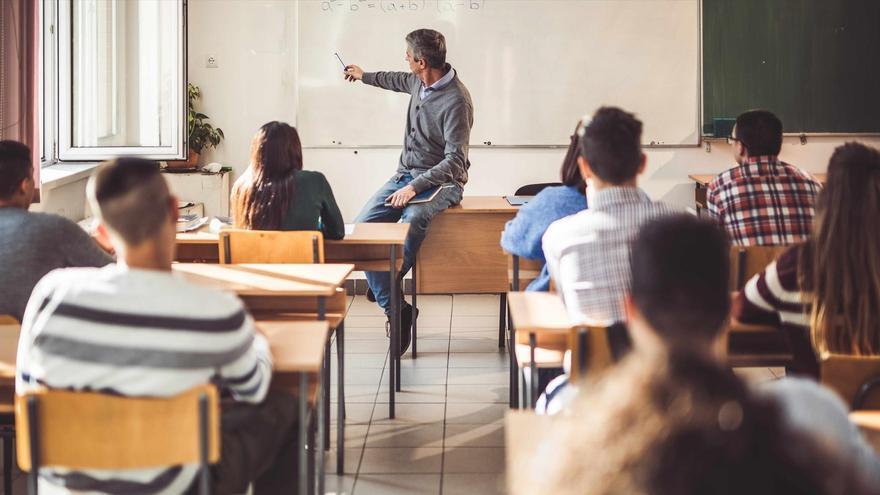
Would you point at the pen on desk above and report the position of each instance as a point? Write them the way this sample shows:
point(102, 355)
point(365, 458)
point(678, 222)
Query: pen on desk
point(340, 61)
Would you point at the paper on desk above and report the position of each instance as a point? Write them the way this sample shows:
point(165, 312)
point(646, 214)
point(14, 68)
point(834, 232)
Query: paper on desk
point(349, 228)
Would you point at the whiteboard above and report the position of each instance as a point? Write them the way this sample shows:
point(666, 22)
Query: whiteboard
point(533, 67)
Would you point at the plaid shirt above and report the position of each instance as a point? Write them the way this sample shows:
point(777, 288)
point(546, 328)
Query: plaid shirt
point(764, 202)
point(588, 252)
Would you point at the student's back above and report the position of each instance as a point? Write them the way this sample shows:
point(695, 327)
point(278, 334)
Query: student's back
point(134, 328)
point(275, 193)
point(825, 293)
point(522, 236)
point(763, 201)
point(588, 253)
point(682, 424)
point(33, 244)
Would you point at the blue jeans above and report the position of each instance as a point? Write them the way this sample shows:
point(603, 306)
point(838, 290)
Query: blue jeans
point(417, 216)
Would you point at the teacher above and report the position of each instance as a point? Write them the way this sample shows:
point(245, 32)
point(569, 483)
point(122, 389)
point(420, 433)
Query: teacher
point(435, 153)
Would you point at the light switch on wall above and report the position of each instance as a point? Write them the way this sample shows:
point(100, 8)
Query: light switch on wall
point(211, 62)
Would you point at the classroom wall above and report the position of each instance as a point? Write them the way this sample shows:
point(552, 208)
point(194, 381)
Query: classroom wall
point(254, 42)
point(255, 83)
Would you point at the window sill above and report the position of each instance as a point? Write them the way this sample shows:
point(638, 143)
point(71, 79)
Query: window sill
point(61, 174)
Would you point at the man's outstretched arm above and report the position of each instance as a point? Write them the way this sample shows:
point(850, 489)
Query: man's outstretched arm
point(402, 82)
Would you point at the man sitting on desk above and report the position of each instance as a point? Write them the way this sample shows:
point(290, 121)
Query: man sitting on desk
point(435, 153)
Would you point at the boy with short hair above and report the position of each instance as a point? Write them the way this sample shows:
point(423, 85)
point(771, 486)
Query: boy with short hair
point(588, 253)
point(763, 201)
point(135, 329)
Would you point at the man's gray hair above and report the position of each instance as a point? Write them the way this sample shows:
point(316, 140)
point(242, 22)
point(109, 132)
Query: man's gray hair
point(428, 45)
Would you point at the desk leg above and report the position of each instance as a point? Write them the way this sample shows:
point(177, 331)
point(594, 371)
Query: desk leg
point(324, 397)
point(323, 432)
point(395, 326)
point(303, 429)
point(325, 406)
point(533, 387)
point(415, 320)
point(322, 308)
point(502, 320)
point(514, 368)
point(340, 398)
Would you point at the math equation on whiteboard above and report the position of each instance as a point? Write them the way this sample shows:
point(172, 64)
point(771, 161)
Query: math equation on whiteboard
point(401, 5)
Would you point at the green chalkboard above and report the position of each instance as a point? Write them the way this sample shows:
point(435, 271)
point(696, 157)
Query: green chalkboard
point(815, 63)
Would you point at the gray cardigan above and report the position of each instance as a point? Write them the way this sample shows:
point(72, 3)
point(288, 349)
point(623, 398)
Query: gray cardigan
point(438, 129)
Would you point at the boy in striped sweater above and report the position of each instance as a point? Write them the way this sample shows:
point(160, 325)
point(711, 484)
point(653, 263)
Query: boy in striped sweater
point(135, 329)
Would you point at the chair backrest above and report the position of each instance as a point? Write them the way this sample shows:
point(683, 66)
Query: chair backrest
point(533, 189)
point(746, 261)
point(855, 378)
point(271, 246)
point(8, 320)
point(85, 430)
point(590, 351)
point(526, 271)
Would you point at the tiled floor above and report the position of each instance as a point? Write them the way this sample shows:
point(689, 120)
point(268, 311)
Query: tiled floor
point(448, 436)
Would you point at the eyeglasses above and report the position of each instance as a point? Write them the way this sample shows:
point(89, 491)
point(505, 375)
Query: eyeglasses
point(731, 140)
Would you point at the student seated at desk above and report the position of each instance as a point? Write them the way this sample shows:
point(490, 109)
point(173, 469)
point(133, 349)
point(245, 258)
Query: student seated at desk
point(669, 390)
point(763, 201)
point(275, 193)
point(825, 293)
point(684, 425)
point(522, 235)
point(588, 253)
point(33, 244)
point(134, 329)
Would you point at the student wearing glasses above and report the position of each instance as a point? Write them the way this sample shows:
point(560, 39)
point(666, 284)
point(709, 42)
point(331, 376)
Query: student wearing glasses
point(763, 201)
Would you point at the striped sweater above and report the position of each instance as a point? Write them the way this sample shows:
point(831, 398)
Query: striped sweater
point(775, 297)
point(136, 333)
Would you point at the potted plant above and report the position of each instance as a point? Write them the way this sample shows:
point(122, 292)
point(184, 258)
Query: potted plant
point(202, 134)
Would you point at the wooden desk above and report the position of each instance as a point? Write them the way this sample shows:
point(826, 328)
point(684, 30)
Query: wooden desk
point(297, 356)
point(198, 246)
point(536, 313)
point(298, 353)
point(869, 423)
point(369, 246)
point(701, 181)
point(378, 247)
point(268, 280)
point(462, 251)
point(9, 332)
point(757, 346)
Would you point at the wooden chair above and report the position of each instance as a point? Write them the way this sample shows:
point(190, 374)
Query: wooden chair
point(533, 189)
point(7, 398)
point(294, 246)
point(855, 378)
point(590, 353)
point(746, 261)
point(84, 430)
point(271, 246)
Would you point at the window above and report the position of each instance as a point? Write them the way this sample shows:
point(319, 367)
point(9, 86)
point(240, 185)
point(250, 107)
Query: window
point(119, 68)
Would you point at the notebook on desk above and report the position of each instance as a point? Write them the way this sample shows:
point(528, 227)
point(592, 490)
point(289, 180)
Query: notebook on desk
point(425, 196)
point(518, 200)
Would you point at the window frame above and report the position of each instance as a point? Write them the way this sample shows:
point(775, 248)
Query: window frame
point(48, 88)
point(60, 131)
